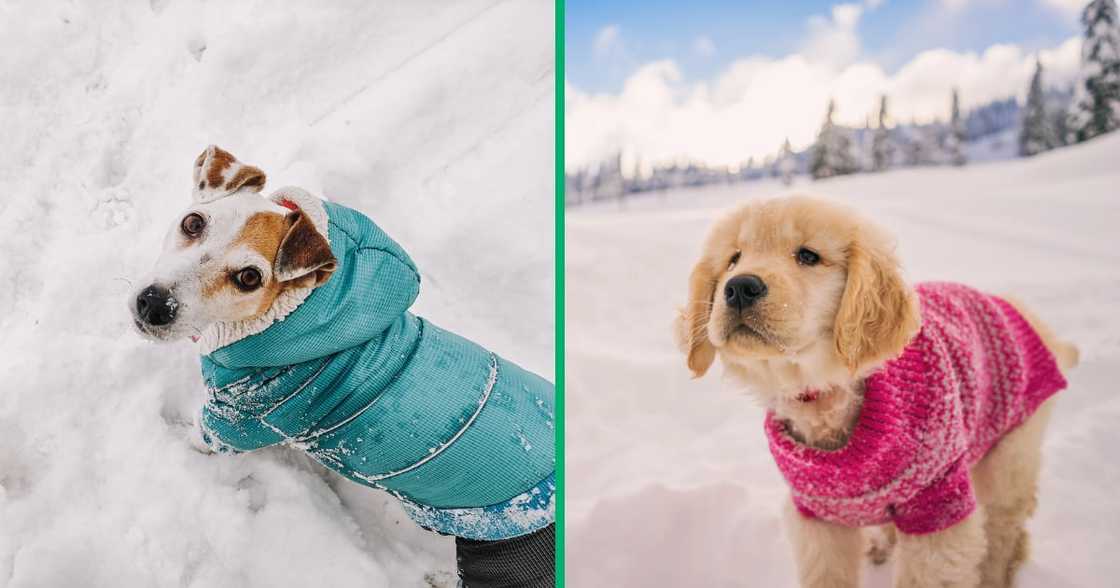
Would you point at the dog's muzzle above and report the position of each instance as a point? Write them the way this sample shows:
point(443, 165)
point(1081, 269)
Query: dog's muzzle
point(743, 291)
point(156, 306)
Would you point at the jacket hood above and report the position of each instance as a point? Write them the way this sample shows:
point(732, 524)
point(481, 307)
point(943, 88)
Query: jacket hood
point(373, 285)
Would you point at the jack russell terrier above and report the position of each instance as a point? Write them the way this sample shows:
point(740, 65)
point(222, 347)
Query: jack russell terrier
point(300, 307)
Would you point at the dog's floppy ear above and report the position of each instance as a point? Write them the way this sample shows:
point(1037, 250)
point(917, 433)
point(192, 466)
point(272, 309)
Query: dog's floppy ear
point(304, 251)
point(878, 313)
point(692, 320)
point(217, 173)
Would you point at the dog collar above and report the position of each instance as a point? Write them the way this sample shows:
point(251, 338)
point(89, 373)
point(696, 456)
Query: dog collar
point(808, 396)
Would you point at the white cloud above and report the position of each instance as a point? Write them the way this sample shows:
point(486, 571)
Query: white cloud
point(757, 102)
point(833, 40)
point(1067, 7)
point(607, 41)
point(704, 46)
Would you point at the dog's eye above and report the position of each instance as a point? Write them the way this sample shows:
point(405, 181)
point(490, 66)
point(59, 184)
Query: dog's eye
point(193, 224)
point(248, 279)
point(734, 259)
point(807, 257)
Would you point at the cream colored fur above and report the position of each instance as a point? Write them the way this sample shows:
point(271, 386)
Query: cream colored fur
point(825, 327)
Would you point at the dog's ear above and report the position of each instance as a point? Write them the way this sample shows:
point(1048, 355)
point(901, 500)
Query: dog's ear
point(878, 313)
point(304, 251)
point(217, 173)
point(692, 320)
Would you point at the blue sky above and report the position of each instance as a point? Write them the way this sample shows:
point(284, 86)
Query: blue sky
point(721, 81)
point(891, 33)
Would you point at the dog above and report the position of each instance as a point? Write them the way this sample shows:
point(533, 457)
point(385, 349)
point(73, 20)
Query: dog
point(916, 412)
point(300, 309)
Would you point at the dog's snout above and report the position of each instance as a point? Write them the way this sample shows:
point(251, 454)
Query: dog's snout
point(743, 291)
point(156, 306)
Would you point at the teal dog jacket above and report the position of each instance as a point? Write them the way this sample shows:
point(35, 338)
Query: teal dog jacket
point(462, 437)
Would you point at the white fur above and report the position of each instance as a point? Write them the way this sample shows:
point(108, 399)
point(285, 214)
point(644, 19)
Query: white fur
point(180, 267)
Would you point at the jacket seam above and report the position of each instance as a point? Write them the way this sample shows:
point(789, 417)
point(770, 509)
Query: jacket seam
point(310, 437)
point(490, 383)
point(361, 248)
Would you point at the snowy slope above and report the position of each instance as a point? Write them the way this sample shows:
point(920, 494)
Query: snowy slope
point(669, 481)
point(434, 118)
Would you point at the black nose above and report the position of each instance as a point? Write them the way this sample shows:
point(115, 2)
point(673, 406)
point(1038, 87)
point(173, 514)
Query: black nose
point(743, 291)
point(156, 306)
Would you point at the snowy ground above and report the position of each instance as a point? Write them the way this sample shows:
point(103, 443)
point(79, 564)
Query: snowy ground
point(669, 482)
point(435, 118)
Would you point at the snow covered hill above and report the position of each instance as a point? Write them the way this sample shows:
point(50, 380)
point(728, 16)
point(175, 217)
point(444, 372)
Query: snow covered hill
point(669, 482)
point(435, 118)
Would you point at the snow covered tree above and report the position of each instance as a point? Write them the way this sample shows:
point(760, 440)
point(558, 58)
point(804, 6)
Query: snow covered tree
point(1037, 133)
point(785, 163)
point(832, 153)
point(1096, 104)
point(955, 139)
point(634, 183)
point(882, 145)
point(1057, 105)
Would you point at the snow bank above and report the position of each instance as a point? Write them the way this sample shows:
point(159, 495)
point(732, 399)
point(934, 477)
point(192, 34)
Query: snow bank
point(434, 118)
point(669, 481)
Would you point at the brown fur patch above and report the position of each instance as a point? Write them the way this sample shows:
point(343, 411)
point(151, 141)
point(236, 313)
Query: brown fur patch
point(218, 163)
point(304, 250)
point(263, 232)
point(247, 177)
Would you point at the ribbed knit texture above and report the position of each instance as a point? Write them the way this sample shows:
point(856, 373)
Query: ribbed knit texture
point(462, 436)
point(975, 370)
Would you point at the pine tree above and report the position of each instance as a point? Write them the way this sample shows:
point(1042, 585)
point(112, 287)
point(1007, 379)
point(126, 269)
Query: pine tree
point(1096, 105)
point(882, 145)
point(786, 164)
point(1037, 133)
point(818, 164)
point(955, 139)
point(922, 146)
point(832, 153)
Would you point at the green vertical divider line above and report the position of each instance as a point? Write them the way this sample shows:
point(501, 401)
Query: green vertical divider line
point(559, 254)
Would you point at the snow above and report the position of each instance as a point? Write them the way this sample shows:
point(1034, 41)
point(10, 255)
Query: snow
point(434, 118)
point(669, 481)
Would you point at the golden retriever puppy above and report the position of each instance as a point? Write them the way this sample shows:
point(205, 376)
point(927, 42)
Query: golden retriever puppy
point(911, 408)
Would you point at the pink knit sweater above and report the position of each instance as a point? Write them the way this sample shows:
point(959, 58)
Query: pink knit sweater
point(974, 371)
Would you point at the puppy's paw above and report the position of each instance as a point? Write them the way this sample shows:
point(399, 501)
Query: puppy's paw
point(880, 544)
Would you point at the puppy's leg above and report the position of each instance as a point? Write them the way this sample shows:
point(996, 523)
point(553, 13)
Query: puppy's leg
point(827, 555)
point(948, 558)
point(1006, 484)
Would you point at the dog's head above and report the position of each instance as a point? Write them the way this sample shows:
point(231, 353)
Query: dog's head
point(229, 255)
point(796, 279)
